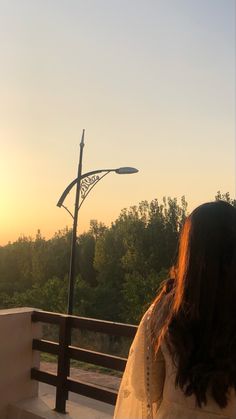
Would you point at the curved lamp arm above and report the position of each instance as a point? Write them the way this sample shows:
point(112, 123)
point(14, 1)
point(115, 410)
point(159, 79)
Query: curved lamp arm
point(120, 171)
point(70, 186)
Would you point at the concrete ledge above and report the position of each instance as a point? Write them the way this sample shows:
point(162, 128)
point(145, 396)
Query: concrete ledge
point(17, 357)
point(42, 408)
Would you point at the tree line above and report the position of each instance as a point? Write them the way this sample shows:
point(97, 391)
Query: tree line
point(119, 268)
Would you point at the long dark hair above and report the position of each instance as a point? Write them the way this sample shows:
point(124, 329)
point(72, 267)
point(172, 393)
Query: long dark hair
point(196, 309)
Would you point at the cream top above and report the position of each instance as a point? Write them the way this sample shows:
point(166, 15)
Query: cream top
point(148, 391)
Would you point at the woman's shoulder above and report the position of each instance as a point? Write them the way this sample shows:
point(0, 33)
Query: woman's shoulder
point(147, 315)
point(155, 315)
point(160, 300)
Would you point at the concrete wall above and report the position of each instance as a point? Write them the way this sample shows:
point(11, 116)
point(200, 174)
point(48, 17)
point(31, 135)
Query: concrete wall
point(17, 357)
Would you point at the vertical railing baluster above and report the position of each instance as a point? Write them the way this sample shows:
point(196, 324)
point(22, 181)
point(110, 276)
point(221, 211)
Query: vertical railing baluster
point(63, 365)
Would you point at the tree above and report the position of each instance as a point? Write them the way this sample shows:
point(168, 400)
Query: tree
point(86, 251)
point(118, 271)
point(225, 197)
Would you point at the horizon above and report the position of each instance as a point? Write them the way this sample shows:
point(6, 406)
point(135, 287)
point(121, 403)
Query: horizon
point(68, 228)
point(154, 86)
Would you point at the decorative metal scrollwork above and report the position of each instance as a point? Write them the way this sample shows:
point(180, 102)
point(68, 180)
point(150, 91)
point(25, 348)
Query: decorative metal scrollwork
point(87, 183)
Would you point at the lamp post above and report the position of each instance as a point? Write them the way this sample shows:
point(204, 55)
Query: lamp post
point(84, 184)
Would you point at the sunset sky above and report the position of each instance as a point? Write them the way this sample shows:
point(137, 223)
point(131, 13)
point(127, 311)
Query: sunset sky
point(153, 84)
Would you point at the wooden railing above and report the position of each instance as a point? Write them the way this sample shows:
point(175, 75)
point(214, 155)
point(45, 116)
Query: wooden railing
point(65, 352)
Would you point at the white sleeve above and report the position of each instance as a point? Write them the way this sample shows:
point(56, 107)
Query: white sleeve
point(141, 388)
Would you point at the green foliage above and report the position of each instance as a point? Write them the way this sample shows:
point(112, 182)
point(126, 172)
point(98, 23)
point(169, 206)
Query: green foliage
point(139, 292)
point(118, 271)
point(225, 197)
point(52, 296)
point(86, 250)
point(130, 257)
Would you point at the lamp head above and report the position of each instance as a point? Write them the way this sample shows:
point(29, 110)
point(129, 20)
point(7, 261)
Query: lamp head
point(126, 170)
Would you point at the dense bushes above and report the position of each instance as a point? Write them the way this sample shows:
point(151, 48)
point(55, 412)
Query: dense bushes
point(119, 268)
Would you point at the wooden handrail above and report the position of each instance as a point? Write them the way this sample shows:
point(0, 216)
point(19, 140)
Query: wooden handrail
point(97, 358)
point(85, 323)
point(65, 351)
point(46, 346)
point(83, 355)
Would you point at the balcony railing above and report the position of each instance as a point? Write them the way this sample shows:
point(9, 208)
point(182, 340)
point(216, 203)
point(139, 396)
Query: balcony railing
point(66, 352)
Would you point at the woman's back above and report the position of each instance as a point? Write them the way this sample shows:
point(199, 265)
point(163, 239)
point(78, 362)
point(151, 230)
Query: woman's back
point(185, 348)
point(175, 404)
point(148, 389)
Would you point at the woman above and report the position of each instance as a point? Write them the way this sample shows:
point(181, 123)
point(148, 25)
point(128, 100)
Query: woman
point(182, 363)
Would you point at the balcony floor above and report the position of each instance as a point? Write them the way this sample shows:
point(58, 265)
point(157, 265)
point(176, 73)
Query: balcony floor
point(78, 407)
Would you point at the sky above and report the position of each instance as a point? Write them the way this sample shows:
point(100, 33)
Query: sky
point(152, 83)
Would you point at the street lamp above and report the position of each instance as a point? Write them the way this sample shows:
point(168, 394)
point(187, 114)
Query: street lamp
point(84, 184)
